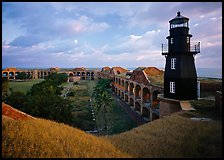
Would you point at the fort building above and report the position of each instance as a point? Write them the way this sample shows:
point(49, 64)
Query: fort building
point(138, 88)
point(73, 74)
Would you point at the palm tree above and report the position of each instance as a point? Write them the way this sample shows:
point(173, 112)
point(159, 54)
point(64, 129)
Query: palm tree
point(106, 99)
point(102, 98)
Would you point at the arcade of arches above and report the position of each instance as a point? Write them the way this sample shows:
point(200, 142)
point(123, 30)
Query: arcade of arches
point(142, 98)
point(73, 74)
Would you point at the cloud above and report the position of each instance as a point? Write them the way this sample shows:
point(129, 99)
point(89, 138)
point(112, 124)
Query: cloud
point(43, 23)
point(98, 34)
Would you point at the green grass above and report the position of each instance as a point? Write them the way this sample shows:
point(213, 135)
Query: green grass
point(117, 119)
point(82, 112)
point(23, 86)
point(205, 108)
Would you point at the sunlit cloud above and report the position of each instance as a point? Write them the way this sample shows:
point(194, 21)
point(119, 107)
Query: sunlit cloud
point(105, 33)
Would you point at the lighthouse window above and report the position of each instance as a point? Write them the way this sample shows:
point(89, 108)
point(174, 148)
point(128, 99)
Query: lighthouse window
point(188, 39)
point(172, 87)
point(173, 63)
point(171, 40)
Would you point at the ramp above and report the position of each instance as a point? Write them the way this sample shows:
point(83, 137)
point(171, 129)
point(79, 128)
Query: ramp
point(186, 106)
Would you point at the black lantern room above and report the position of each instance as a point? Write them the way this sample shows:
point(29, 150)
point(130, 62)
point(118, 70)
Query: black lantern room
point(180, 77)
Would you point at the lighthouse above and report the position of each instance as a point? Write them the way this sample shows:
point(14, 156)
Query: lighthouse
point(180, 77)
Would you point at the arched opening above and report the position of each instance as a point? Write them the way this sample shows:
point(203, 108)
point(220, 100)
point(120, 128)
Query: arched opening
point(146, 97)
point(83, 78)
point(122, 82)
point(74, 73)
point(116, 91)
point(88, 73)
point(119, 81)
point(131, 89)
point(126, 99)
point(28, 75)
point(5, 74)
point(118, 72)
point(126, 86)
point(92, 78)
point(122, 95)
point(16, 74)
point(137, 106)
point(11, 74)
point(83, 73)
point(155, 101)
point(70, 74)
point(42, 74)
point(92, 73)
point(119, 93)
point(116, 80)
point(70, 77)
point(78, 73)
point(138, 92)
point(131, 103)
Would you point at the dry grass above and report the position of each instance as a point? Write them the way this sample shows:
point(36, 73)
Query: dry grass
point(173, 136)
point(43, 138)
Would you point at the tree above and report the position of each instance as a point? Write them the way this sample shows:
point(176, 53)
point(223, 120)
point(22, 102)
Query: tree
point(102, 98)
point(57, 78)
point(22, 76)
point(16, 99)
point(106, 99)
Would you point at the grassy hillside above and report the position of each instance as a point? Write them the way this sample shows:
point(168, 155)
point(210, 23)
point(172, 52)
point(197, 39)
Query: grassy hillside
point(44, 138)
point(173, 136)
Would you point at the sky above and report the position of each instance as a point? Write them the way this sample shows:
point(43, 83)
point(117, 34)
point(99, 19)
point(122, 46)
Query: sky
point(98, 34)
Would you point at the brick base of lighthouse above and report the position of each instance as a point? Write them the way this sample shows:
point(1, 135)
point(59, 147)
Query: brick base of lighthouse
point(168, 106)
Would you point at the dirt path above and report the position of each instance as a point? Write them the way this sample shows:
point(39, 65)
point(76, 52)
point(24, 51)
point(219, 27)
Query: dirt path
point(134, 115)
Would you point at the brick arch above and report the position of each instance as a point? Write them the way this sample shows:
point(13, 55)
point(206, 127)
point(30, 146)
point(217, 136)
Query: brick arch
point(131, 88)
point(131, 102)
point(146, 97)
point(5, 74)
point(116, 92)
point(126, 86)
point(138, 91)
point(122, 95)
point(119, 93)
point(155, 101)
point(70, 74)
point(126, 98)
point(122, 82)
point(137, 106)
point(11, 74)
point(116, 80)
